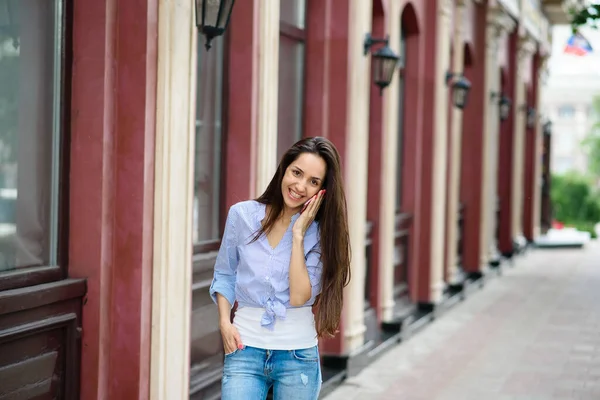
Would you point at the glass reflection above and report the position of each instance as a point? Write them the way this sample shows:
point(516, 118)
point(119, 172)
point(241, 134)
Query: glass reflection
point(29, 131)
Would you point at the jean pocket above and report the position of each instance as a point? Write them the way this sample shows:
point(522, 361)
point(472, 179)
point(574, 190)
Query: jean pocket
point(232, 353)
point(309, 355)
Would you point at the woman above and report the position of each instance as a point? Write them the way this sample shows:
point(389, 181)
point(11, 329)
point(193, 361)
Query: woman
point(283, 255)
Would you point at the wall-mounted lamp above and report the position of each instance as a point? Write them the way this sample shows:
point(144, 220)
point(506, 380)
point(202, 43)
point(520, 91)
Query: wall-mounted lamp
point(8, 26)
point(547, 128)
point(531, 117)
point(385, 61)
point(460, 89)
point(504, 104)
point(212, 17)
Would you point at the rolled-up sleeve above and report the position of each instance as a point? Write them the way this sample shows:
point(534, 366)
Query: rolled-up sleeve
point(314, 266)
point(227, 262)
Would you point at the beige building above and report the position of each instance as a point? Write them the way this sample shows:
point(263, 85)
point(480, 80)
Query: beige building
point(572, 84)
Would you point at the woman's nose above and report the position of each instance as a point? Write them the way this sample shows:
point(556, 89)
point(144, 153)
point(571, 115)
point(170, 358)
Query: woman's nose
point(301, 186)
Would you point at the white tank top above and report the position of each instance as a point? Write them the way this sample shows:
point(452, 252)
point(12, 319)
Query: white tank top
point(296, 331)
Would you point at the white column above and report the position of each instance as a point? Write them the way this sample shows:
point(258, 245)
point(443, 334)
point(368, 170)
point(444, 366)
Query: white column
point(268, 83)
point(489, 144)
point(499, 24)
point(389, 180)
point(455, 148)
point(438, 206)
point(171, 274)
point(525, 49)
point(355, 162)
point(490, 159)
point(537, 194)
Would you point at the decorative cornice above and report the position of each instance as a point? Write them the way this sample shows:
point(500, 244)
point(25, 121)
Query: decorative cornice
point(543, 69)
point(497, 17)
point(526, 46)
point(445, 7)
point(492, 42)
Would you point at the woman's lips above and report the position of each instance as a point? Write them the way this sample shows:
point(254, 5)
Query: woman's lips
point(294, 198)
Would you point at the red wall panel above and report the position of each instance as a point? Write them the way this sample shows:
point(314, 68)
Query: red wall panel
point(111, 190)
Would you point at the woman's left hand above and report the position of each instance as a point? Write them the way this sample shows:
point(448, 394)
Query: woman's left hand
point(308, 215)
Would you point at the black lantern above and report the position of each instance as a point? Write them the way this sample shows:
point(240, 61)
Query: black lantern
point(460, 90)
point(7, 23)
point(504, 106)
point(547, 128)
point(212, 17)
point(531, 117)
point(385, 62)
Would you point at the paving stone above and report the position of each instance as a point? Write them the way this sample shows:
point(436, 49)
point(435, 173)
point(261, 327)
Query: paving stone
point(531, 334)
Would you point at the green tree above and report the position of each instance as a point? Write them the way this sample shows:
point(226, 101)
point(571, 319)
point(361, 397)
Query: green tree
point(575, 202)
point(587, 15)
point(591, 144)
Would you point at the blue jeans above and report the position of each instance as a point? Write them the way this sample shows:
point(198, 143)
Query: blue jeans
point(249, 373)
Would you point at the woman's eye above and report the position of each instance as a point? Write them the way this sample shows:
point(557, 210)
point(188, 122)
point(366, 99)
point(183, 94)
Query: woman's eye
point(296, 173)
point(315, 183)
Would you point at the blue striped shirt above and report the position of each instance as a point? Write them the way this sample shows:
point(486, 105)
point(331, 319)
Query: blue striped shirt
point(255, 274)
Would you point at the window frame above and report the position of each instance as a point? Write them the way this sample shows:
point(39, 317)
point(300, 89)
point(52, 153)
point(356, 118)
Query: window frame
point(298, 35)
point(204, 253)
point(400, 125)
point(36, 275)
point(212, 245)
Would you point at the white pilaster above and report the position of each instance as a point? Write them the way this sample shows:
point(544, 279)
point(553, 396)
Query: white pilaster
point(438, 206)
point(356, 162)
point(389, 180)
point(455, 147)
point(174, 155)
point(499, 25)
point(537, 194)
point(490, 159)
point(525, 49)
point(268, 83)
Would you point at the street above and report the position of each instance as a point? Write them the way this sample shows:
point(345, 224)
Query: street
point(532, 333)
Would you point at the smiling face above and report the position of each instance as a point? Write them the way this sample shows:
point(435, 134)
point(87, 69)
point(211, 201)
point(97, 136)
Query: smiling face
point(303, 178)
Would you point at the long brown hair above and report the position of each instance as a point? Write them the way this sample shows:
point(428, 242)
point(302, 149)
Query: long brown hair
point(333, 228)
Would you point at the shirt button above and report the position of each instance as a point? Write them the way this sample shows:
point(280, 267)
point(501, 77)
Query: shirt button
point(266, 277)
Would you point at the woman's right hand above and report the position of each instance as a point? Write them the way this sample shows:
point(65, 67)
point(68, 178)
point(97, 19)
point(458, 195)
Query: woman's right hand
point(231, 337)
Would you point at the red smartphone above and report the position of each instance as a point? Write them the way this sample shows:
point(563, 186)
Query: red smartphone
point(310, 200)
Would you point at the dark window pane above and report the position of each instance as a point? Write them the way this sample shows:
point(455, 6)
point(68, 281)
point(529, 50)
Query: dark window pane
point(400, 146)
point(400, 249)
point(207, 173)
point(291, 88)
point(206, 348)
point(293, 12)
point(30, 57)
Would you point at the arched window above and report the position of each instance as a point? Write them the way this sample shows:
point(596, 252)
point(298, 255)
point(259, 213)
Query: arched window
point(206, 351)
point(208, 171)
point(292, 41)
point(400, 147)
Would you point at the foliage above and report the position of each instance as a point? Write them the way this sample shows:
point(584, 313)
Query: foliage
point(591, 144)
point(574, 201)
point(588, 15)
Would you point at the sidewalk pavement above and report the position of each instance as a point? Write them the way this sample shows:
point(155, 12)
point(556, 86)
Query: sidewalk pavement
point(531, 334)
